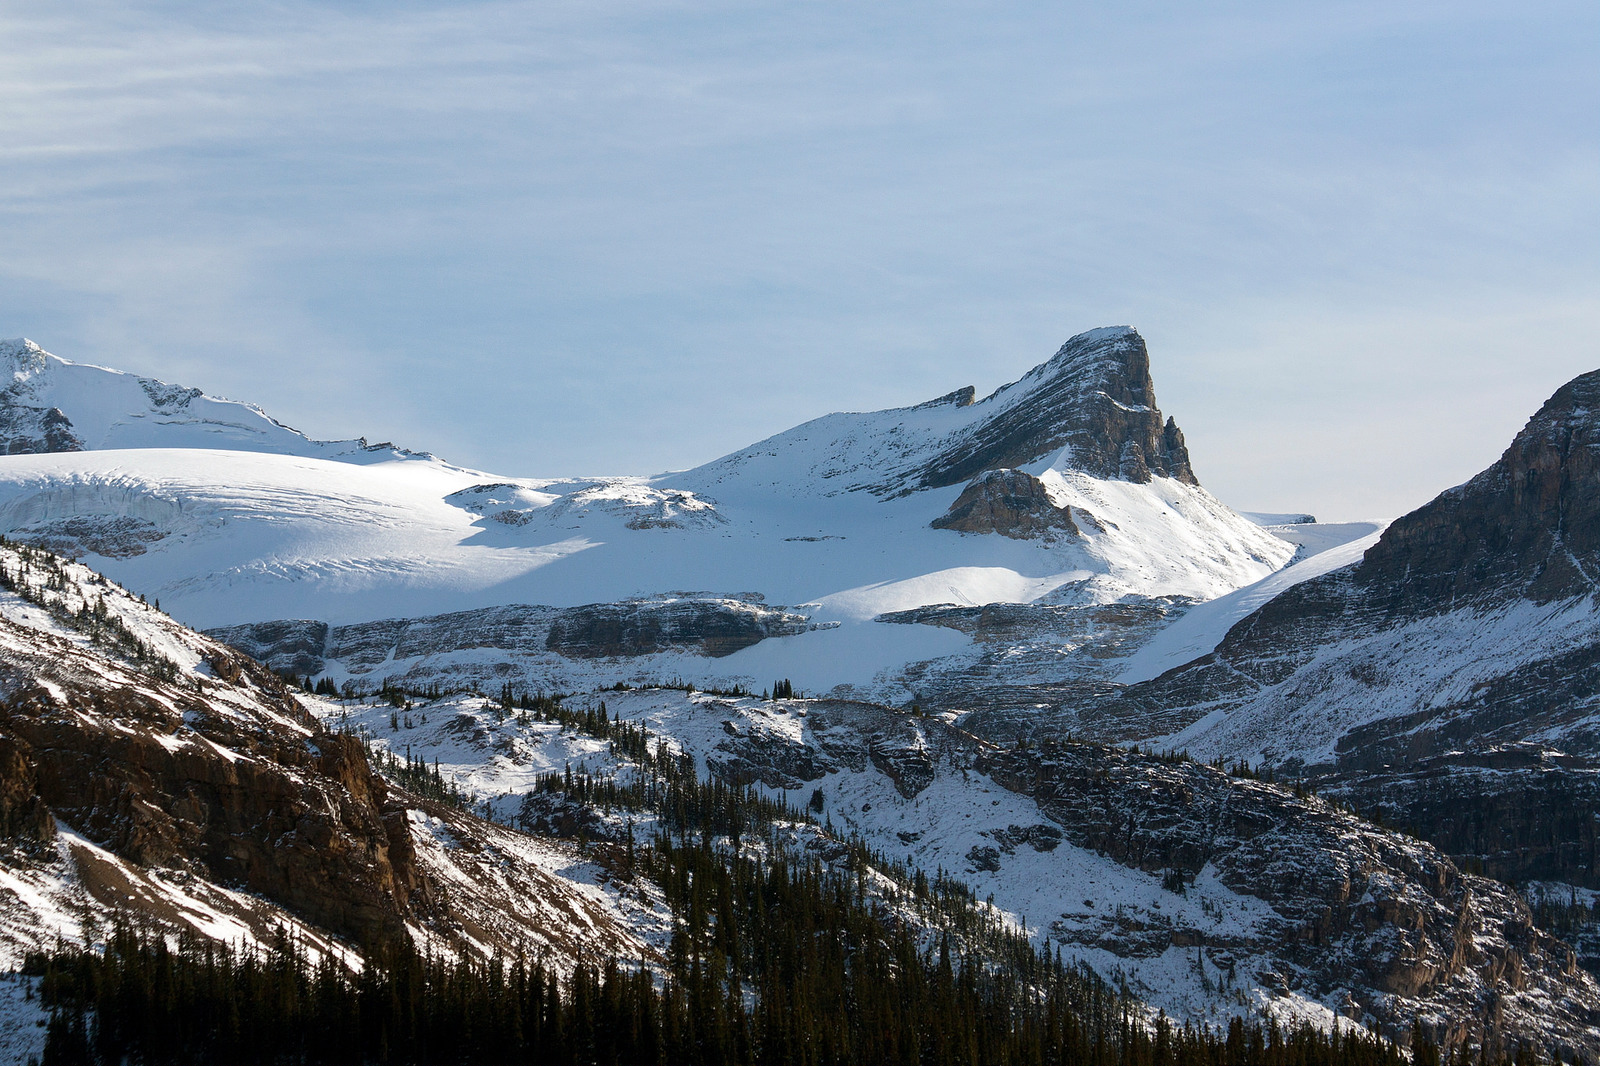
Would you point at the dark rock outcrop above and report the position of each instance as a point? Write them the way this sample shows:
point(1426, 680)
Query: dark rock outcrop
point(163, 776)
point(711, 626)
point(1095, 398)
point(1516, 551)
point(1012, 503)
point(292, 645)
point(23, 814)
point(28, 430)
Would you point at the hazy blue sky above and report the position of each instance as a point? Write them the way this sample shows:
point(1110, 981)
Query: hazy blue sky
point(1362, 239)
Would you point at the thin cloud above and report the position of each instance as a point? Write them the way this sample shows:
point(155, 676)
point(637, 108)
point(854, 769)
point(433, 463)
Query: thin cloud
point(578, 223)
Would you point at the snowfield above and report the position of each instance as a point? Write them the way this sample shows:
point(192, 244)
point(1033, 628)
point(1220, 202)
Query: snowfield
point(228, 537)
point(227, 517)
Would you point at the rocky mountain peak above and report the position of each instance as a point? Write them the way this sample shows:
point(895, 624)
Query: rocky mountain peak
point(1529, 523)
point(27, 428)
point(21, 357)
point(1094, 398)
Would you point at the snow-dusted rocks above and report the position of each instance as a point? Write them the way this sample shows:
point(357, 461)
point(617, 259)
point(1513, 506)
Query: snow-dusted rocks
point(153, 771)
point(1383, 928)
point(1084, 495)
point(1447, 677)
point(48, 404)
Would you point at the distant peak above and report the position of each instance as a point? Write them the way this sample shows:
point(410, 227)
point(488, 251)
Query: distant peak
point(22, 357)
point(961, 397)
point(1093, 398)
point(1103, 334)
point(1113, 356)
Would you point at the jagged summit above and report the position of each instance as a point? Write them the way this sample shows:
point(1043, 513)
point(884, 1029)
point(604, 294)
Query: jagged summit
point(1090, 408)
point(49, 404)
point(1532, 520)
point(1095, 398)
point(21, 356)
point(1451, 675)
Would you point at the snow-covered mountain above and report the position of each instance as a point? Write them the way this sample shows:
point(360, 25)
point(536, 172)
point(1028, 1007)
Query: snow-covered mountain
point(1447, 676)
point(965, 581)
point(150, 772)
point(1066, 489)
point(49, 404)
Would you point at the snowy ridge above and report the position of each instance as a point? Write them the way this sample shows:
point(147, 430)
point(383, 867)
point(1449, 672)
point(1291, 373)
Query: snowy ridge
point(1204, 921)
point(224, 537)
point(1205, 625)
point(105, 408)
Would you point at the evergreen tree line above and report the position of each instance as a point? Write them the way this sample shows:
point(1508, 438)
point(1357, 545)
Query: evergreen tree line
point(40, 573)
point(775, 957)
point(824, 983)
point(417, 777)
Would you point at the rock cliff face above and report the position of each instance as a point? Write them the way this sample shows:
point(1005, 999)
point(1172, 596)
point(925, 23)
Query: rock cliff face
point(1012, 503)
point(193, 789)
point(1095, 398)
point(1468, 635)
point(714, 628)
point(1527, 526)
point(237, 785)
point(710, 626)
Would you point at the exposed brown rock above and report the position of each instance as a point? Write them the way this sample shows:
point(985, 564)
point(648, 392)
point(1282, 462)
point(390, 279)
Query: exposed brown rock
point(23, 815)
point(1012, 503)
point(163, 775)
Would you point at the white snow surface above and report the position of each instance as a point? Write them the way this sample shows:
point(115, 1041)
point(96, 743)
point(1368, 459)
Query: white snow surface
point(222, 537)
point(1202, 628)
point(113, 409)
point(1425, 665)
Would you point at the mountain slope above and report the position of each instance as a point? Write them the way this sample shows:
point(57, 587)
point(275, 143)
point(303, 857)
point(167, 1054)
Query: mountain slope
point(49, 404)
point(1210, 896)
point(150, 770)
point(1450, 677)
point(841, 521)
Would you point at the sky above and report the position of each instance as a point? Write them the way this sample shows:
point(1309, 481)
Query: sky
point(1362, 240)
